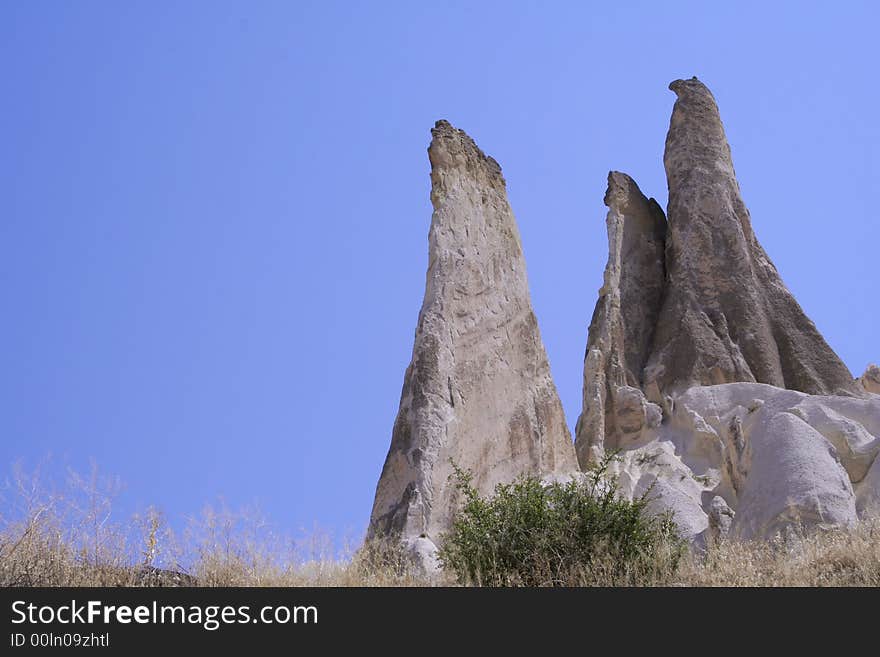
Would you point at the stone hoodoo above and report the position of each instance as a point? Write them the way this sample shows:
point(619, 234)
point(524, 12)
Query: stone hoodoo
point(622, 329)
point(727, 316)
point(703, 373)
point(718, 395)
point(478, 391)
point(692, 301)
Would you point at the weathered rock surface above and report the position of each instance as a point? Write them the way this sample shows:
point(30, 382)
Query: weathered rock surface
point(478, 390)
point(750, 460)
point(622, 328)
point(694, 319)
point(727, 316)
point(724, 403)
point(870, 380)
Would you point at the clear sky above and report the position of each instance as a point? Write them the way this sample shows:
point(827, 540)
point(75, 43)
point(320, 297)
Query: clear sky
point(213, 215)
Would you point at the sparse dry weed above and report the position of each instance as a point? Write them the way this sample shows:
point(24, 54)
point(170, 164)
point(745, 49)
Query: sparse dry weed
point(836, 557)
point(71, 539)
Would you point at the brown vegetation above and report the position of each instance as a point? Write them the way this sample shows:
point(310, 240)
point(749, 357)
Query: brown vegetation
point(70, 540)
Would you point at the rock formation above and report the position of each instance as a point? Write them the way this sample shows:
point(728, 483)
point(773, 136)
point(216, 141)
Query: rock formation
point(694, 325)
point(750, 460)
point(694, 302)
point(727, 316)
point(622, 330)
point(478, 390)
point(870, 380)
point(702, 372)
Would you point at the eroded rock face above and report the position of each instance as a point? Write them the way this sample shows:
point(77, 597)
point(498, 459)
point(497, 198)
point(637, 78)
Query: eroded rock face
point(478, 390)
point(750, 460)
point(727, 316)
point(870, 380)
point(622, 328)
point(725, 404)
point(762, 426)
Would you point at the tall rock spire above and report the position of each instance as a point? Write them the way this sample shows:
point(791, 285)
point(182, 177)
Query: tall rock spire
point(478, 391)
point(727, 316)
point(692, 298)
point(622, 329)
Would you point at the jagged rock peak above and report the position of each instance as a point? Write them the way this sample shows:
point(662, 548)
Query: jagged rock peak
point(696, 137)
point(622, 327)
point(478, 390)
point(454, 148)
point(637, 238)
point(727, 316)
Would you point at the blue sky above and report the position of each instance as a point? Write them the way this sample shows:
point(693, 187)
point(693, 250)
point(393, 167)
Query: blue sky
point(213, 215)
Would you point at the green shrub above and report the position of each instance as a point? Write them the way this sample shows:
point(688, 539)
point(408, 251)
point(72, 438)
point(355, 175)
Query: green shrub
point(562, 534)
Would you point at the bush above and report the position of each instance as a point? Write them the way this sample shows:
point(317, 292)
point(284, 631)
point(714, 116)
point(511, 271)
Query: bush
point(576, 533)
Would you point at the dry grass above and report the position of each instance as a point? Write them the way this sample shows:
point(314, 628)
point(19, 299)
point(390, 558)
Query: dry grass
point(48, 539)
point(70, 538)
point(842, 557)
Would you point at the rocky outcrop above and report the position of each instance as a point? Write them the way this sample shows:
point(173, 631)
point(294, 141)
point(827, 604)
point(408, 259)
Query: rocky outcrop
point(751, 460)
point(702, 371)
point(727, 316)
point(478, 391)
point(870, 380)
point(622, 328)
point(723, 402)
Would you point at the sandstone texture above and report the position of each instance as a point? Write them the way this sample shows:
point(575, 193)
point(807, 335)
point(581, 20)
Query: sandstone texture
point(702, 372)
point(750, 460)
point(727, 316)
point(478, 390)
point(716, 393)
point(622, 329)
